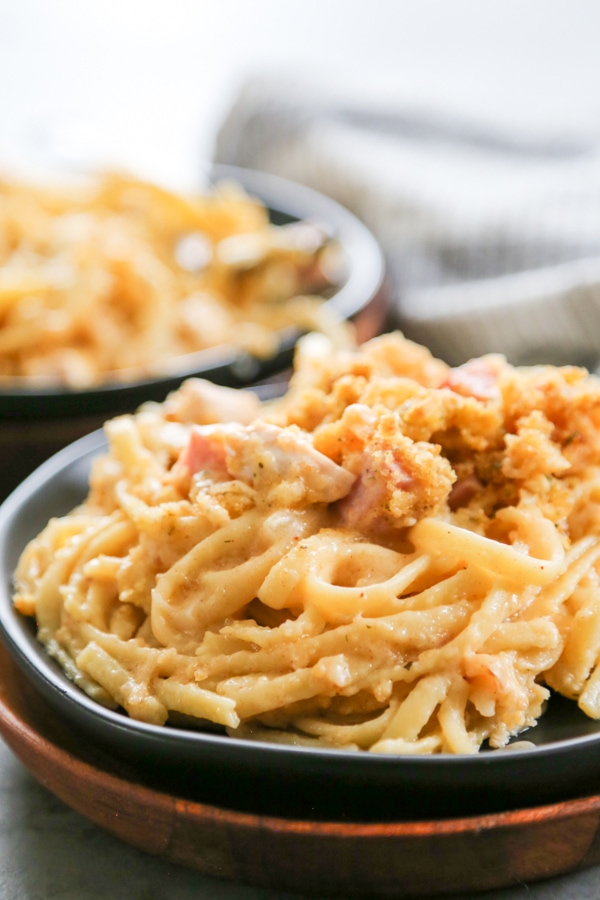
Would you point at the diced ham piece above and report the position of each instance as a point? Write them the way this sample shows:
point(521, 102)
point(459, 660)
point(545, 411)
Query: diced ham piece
point(368, 505)
point(463, 491)
point(205, 451)
point(477, 378)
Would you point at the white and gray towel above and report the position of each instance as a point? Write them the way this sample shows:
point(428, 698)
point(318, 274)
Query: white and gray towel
point(492, 233)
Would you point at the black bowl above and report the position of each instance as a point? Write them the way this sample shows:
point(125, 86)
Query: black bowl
point(562, 764)
point(35, 422)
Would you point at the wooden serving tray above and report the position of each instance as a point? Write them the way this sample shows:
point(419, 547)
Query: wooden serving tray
point(410, 859)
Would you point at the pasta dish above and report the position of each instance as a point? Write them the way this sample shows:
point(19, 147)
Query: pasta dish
point(117, 278)
point(396, 556)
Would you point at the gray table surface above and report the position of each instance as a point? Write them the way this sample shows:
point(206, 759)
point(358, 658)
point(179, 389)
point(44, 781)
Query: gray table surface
point(50, 852)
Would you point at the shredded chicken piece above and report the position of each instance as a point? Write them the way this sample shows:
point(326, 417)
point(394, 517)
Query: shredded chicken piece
point(282, 465)
point(201, 402)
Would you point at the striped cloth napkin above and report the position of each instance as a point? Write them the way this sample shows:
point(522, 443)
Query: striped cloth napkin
point(492, 234)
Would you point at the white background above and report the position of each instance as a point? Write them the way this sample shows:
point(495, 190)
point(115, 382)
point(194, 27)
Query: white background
point(145, 83)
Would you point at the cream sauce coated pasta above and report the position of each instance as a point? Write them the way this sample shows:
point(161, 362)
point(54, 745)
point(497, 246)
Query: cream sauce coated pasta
point(394, 557)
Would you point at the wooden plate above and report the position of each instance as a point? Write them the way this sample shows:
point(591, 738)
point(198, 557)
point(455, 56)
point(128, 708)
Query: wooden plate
point(354, 860)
